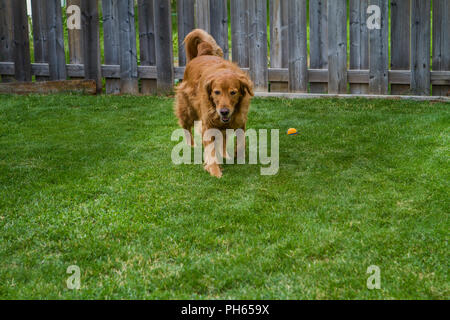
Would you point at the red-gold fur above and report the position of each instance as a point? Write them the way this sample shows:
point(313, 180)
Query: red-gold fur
point(211, 85)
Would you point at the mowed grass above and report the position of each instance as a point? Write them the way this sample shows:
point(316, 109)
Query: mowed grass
point(89, 181)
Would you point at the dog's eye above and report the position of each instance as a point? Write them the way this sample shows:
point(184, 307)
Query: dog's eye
point(217, 92)
point(233, 93)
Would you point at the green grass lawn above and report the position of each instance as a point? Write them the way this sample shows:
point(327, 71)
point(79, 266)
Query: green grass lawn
point(89, 181)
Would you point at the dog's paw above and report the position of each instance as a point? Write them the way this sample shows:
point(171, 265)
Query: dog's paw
point(214, 170)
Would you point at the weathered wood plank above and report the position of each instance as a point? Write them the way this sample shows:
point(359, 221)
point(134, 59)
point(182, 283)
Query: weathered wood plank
point(318, 47)
point(337, 46)
point(75, 35)
point(279, 55)
point(258, 44)
point(6, 36)
point(239, 32)
point(348, 96)
point(111, 41)
point(420, 47)
point(400, 40)
point(147, 41)
point(298, 51)
point(219, 24)
point(275, 74)
point(186, 23)
point(441, 42)
point(359, 41)
point(47, 87)
point(91, 41)
point(55, 33)
point(40, 34)
point(164, 50)
point(22, 57)
point(128, 51)
point(202, 19)
point(379, 51)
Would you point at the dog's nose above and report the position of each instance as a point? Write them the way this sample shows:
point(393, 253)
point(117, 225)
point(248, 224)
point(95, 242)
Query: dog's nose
point(224, 112)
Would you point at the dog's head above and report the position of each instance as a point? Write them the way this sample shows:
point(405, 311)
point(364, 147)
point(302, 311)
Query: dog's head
point(226, 91)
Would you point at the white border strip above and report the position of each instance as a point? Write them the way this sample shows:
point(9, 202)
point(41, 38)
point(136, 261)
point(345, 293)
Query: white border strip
point(289, 95)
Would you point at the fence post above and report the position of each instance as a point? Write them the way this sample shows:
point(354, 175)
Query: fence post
point(359, 42)
point(420, 47)
point(56, 52)
point(202, 15)
point(186, 24)
point(6, 36)
point(379, 52)
point(318, 43)
point(279, 55)
point(22, 57)
point(298, 51)
point(258, 44)
point(441, 43)
point(219, 25)
point(400, 40)
point(239, 32)
point(40, 34)
point(164, 51)
point(91, 41)
point(75, 37)
point(337, 46)
point(128, 52)
point(147, 41)
point(111, 41)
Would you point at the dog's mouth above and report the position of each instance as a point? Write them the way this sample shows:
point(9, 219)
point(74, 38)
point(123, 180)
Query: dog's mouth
point(225, 119)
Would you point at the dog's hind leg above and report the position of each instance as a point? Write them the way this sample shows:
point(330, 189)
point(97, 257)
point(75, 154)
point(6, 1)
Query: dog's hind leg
point(185, 116)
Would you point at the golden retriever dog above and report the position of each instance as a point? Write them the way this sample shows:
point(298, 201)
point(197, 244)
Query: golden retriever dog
point(214, 91)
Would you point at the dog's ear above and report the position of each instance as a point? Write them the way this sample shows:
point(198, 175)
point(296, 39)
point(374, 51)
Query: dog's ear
point(246, 85)
point(208, 86)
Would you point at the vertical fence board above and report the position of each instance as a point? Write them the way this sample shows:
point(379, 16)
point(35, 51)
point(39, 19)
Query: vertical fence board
point(202, 11)
point(22, 57)
point(298, 56)
point(147, 41)
point(128, 51)
point(420, 47)
point(111, 41)
point(337, 46)
point(441, 42)
point(239, 32)
point(163, 40)
point(359, 42)
point(258, 44)
point(75, 36)
point(186, 23)
point(400, 40)
point(56, 52)
point(379, 52)
point(219, 25)
point(318, 46)
point(91, 42)
point(279, 40)
point(6, 36)
point(40, 36)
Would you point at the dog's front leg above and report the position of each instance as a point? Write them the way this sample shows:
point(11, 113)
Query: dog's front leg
point(211, 162)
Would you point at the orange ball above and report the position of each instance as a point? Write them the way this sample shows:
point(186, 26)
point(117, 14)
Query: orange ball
point(292, 132)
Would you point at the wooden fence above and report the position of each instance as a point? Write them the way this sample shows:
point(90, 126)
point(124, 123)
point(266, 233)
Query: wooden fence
point(316, 46)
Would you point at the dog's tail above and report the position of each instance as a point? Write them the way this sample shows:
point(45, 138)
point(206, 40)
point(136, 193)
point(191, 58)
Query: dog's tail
point(200, 43)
